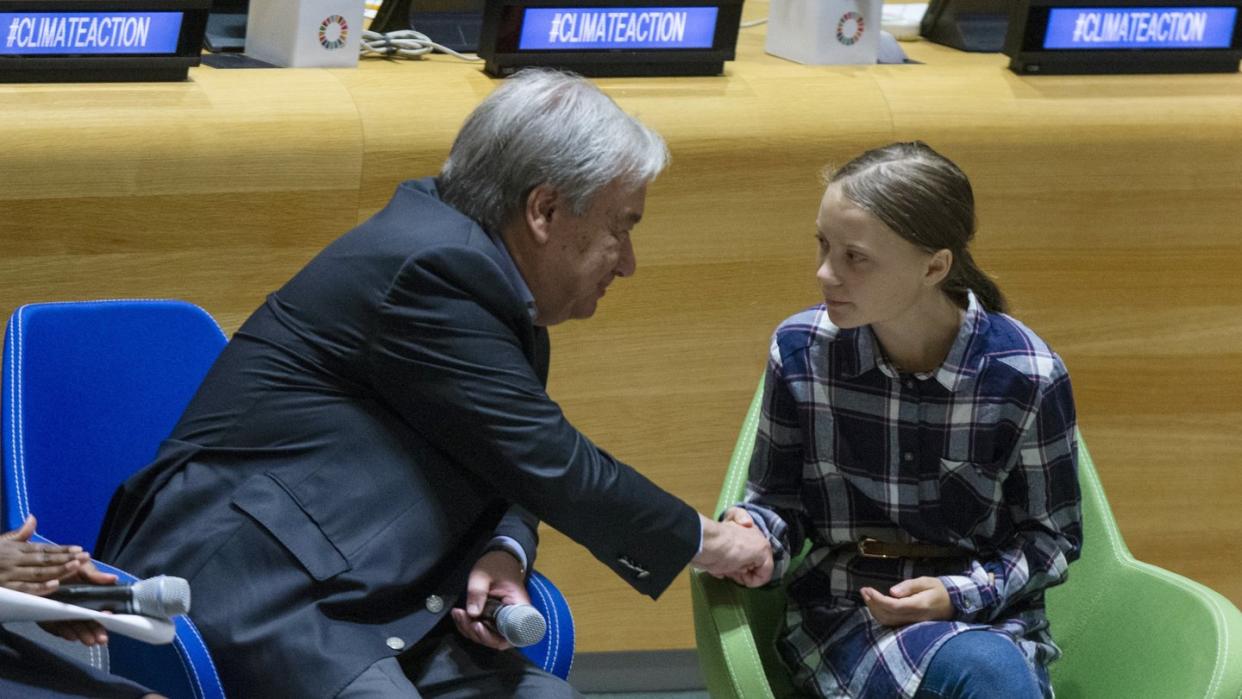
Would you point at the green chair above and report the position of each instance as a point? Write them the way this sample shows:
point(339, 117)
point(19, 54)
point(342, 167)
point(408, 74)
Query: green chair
point(1128, 629)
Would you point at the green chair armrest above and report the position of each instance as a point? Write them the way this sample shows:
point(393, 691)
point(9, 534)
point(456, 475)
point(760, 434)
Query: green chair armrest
point(728, 654)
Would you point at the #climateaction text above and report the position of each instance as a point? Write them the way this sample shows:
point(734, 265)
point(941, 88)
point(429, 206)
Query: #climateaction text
point(623, 28)
point(78, 32)
point(614, 27)
point(1140, 27)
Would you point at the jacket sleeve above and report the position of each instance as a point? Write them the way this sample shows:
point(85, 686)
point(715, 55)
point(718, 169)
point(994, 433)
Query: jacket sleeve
point(447, 355)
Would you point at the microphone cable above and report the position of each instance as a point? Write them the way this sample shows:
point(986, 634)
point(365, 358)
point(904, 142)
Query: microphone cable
point(404, 43)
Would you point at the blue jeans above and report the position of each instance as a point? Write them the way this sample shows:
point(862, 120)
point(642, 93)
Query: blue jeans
point(981, 665)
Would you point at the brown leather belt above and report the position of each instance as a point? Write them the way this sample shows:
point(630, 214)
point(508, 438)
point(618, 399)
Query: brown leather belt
point(874, 548)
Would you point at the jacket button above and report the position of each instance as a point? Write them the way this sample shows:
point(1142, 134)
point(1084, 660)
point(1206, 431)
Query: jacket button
point(434, 604)
point(395, 643)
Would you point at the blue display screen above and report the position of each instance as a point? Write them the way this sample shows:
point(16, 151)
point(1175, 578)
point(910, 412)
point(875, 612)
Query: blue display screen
point(575, 28)
point(1140, 27)
point(89, 33)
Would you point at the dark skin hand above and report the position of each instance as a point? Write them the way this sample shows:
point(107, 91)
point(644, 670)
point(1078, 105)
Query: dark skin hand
point(36, 569)
point(40, 569)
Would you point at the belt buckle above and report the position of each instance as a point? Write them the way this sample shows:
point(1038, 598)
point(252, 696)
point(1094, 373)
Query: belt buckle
point(864, 546)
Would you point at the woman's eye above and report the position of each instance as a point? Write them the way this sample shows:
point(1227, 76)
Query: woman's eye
point(855, 257)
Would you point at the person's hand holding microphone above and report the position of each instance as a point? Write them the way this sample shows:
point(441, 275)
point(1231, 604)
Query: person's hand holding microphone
point(41, 569)
point(497, 577)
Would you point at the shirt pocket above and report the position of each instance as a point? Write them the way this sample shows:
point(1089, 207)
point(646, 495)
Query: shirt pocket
point(970, 494)
point(267, 502)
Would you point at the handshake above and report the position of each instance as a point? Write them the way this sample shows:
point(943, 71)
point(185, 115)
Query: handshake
point(735, 549)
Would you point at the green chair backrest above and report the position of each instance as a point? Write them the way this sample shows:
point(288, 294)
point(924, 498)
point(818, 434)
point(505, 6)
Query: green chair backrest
point(1130, 629)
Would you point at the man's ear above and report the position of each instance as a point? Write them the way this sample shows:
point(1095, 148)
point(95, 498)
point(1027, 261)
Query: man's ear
point(541, 205)
point(939, 266)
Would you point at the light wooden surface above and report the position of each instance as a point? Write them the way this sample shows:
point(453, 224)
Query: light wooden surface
point(1110, 210)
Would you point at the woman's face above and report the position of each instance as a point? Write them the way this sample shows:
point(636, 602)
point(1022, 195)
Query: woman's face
point(868, 274)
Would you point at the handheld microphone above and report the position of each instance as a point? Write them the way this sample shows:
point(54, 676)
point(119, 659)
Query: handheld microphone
point(19, 606)
point(520, 624)
point(161, 597)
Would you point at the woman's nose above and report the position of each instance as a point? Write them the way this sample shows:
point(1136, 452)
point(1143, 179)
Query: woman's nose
point(825, 273)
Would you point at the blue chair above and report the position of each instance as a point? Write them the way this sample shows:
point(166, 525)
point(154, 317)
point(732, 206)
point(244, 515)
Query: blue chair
point(91, 389)
point(555, 653)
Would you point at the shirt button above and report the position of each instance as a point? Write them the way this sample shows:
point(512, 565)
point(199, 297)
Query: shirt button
point(908, 456)
point(909, 384)
point(968, 605)
point(395, 643)
point(434, 604)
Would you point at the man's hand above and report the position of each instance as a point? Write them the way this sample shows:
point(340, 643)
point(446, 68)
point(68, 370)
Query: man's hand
point(909, 601)
point(735, 549)
point(497, 574)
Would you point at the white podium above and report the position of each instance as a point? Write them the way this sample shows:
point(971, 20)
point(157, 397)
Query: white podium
point(824, 31)
point(305, 33)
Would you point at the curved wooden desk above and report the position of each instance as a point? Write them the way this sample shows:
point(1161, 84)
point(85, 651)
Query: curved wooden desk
point(1110, 207)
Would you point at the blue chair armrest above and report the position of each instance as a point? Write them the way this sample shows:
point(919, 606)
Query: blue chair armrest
point(555, 653)
point(191, 675)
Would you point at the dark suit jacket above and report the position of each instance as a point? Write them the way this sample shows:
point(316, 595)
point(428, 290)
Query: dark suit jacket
point(359, 441)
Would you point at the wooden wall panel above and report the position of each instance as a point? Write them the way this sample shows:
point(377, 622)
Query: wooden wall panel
point(214, 190)
point(1110, 210)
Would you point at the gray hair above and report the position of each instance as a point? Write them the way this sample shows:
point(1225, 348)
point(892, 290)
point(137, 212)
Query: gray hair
point(545, 127)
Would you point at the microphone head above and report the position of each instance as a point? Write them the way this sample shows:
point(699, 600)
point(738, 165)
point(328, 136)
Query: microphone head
point(521, 624)
point(161, 596)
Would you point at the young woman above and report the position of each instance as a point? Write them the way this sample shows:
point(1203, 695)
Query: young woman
point(924, 442)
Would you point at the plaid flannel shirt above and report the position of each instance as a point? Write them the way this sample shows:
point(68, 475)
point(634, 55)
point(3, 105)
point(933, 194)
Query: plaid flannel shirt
point(979, 454)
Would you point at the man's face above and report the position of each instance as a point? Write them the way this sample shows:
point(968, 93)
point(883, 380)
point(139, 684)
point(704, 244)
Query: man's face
point(583, 254)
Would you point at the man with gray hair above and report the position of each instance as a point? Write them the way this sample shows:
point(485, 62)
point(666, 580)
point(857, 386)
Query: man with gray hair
point(367, 461)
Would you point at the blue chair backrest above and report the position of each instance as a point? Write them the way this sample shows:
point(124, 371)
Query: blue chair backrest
point(90, 390)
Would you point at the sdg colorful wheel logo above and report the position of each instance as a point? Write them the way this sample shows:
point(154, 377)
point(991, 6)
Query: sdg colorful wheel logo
point(850, 28)
point(334, 32)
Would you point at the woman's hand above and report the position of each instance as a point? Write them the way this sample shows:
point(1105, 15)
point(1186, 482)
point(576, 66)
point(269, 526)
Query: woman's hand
point(86, 632)
point(39, 569)
point(497, 574)
point(909, 602)
point(36, 569)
